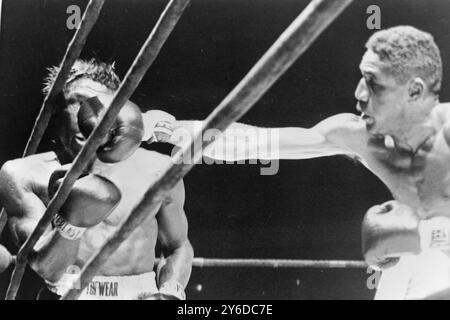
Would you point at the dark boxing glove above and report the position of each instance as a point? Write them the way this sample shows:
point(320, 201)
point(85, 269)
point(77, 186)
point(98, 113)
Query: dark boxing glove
point(125, 135)
point(91, 200)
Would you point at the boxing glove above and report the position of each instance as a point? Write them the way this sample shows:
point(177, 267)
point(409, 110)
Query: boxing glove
point(90, 201)
point(158, 125)
point(392, 230)
point(125, 135)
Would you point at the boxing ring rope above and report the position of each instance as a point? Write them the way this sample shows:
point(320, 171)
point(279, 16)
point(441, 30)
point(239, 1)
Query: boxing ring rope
point(72, 53)
point(276, 263)
point(144, 59)
point(286, 49)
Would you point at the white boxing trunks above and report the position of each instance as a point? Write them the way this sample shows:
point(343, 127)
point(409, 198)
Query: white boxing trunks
point(134, 287)
point(422, 276)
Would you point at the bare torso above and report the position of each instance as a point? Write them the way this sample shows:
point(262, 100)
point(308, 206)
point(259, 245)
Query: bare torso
point(421, 180)
point(133, 177)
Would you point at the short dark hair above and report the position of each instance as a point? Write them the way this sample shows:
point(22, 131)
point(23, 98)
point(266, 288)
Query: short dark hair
point(96, 70)
point(407, 52)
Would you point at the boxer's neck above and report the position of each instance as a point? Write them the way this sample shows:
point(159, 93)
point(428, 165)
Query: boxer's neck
point(411, 140)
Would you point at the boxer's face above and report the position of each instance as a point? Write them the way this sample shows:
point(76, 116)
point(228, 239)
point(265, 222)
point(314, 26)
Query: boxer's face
point(382, 101)
point(70, 138)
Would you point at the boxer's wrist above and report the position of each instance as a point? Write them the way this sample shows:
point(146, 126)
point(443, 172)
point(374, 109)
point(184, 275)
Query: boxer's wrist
point(65, 229)
point(173, 288)
point(434, 233)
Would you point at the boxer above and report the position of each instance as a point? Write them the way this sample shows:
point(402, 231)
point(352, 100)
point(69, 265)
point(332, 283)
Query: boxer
point(402, 135)
point(101, 199)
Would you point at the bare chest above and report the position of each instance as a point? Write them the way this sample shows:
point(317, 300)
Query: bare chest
point(133, 177)
point(421, 180)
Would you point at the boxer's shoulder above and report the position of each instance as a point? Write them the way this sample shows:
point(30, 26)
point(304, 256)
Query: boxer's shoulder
point(441, 114)
point(30, 167)
point(347, 131)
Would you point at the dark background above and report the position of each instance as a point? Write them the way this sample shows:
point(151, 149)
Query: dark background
point(311, 209)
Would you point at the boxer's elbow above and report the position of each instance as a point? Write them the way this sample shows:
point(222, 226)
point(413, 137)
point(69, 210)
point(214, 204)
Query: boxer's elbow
point(188, 250)
point(180, 246)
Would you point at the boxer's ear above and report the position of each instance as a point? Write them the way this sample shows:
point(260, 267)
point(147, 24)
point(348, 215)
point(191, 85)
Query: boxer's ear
point(416, 89)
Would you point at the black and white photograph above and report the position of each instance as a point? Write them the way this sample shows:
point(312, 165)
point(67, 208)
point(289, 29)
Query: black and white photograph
point(244, 151)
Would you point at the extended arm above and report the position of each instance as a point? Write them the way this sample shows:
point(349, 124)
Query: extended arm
point(339, 134)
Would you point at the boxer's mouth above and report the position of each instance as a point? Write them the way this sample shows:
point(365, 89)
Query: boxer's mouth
point(79, 140)
point(367, 119)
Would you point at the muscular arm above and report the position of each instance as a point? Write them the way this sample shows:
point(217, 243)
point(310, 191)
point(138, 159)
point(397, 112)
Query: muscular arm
point(339, 134)
point(24, 207)
point(23, 198)
point(17, 195)
point(172, 233)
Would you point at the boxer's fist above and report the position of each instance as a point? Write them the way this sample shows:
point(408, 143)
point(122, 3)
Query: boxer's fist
point(6, 259)
point(389, 231)
point(159, 126)
point(125, 135)
point(90, 201)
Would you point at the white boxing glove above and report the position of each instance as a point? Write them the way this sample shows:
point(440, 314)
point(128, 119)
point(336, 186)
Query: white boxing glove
point(392, 230)
point(158, 126)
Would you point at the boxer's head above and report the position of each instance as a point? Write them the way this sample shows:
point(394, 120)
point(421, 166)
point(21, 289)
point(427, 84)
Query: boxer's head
point(401, 78)
point(87, 79)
